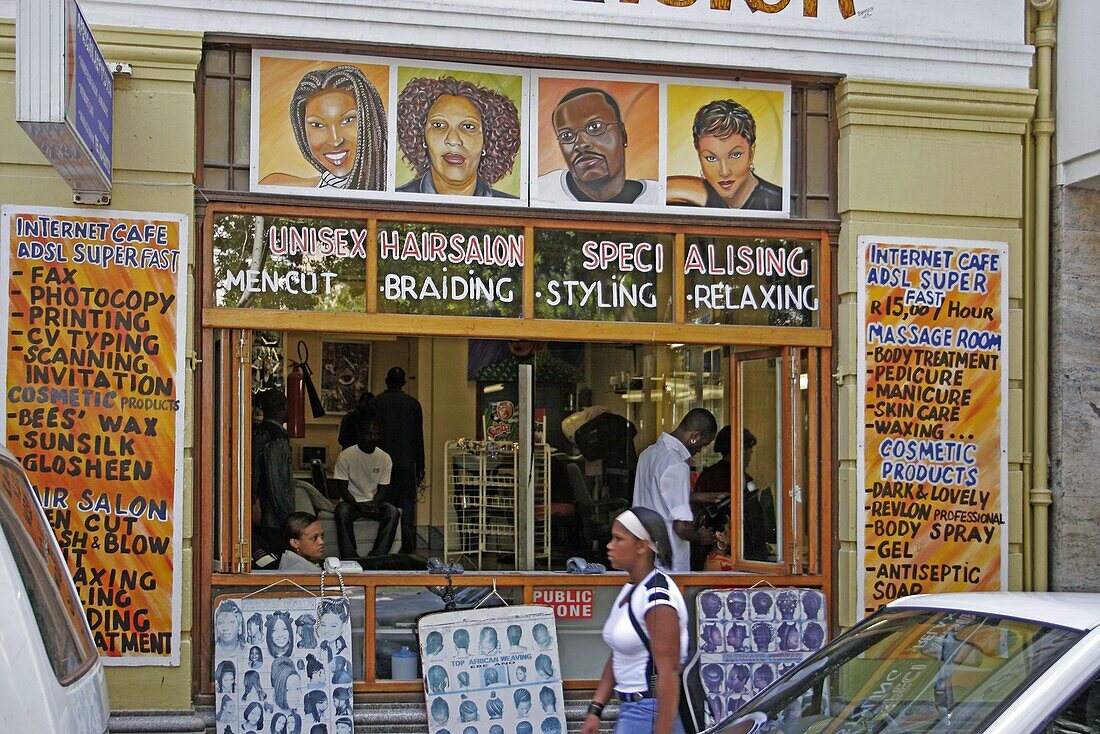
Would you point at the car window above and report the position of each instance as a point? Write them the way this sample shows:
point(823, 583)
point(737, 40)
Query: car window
point(911, 672)
point(1081, 716)
point(56, 608)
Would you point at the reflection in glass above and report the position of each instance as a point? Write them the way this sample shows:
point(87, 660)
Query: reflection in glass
point(762, 459)
point(399, 608)
point(602, 276)
point(751, 281)
point(453, 271)
point(289, 263)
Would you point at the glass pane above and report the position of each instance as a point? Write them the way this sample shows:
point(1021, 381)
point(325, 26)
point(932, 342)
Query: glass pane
point(445, 270)
point(242, 64)
point(762, 457)
point(809, 493)
point(216, 121)
point(398, 608)
point(242, 110)
point(240, 179)
point(817, 155)
point(580, 643)
point(296, 263)
point(755, 281)
point(940, 671)
point(817, 101)
point(217, 62)
point(215, 178)
point(818, 209)
point(602, 276)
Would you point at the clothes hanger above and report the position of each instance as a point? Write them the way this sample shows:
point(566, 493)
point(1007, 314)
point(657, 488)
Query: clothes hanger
point(491, 594)
point(273, 584)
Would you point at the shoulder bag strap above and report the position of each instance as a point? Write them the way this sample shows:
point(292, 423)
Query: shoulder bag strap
point(650, 668)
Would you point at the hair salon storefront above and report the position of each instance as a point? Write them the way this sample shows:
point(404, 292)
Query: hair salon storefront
point(655, 206)
point(624, 305)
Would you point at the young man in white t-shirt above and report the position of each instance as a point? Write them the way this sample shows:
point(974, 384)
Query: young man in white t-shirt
point(362, 476)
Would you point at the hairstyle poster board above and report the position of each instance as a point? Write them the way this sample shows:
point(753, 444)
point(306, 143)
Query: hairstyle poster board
point(282, 665)
point(494, 670)
point(94, 312)
point(749, 637)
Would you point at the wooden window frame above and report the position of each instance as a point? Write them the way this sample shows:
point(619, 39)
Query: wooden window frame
point(235, 324)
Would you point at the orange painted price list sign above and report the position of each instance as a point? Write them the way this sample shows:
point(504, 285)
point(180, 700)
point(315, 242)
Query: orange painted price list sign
point(95, 312)
point(933, 382)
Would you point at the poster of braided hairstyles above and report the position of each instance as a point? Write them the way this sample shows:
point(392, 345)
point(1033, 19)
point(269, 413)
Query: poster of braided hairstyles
point(747, 638)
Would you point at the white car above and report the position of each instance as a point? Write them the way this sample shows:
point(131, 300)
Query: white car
point(998, 663)
point(51, 679)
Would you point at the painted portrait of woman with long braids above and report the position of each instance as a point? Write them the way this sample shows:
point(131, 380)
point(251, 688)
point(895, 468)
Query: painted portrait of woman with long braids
point(459, 137)
point(337, 121)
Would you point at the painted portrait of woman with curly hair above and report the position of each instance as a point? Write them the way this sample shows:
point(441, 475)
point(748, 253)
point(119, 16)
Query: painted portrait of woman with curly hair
point(458, 137)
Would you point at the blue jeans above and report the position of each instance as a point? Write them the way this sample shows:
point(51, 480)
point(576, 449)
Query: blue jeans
point(346, 514)
point(641, 716)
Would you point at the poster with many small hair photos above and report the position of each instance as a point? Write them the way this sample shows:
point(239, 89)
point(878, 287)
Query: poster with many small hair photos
point(492, 671)
point(282, 665)
point(747, 638)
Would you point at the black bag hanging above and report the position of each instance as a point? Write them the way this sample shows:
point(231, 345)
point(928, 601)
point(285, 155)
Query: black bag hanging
point(311, 391)
point(684, 709)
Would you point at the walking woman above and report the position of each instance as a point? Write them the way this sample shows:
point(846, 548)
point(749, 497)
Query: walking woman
point(646, 631)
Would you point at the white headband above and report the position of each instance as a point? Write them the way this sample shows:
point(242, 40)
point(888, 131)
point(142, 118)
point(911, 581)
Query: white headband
point(631, 522)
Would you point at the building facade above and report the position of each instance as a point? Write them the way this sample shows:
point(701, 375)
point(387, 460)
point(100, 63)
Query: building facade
point(883, 139)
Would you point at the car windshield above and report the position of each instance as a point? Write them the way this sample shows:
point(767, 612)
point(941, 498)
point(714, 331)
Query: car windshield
point(908, 671)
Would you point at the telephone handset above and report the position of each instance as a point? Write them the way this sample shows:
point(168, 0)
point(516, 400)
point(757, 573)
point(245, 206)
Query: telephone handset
point(335, 565)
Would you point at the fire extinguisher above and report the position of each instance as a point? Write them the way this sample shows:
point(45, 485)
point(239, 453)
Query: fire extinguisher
point(296, 403)
point(299, 386)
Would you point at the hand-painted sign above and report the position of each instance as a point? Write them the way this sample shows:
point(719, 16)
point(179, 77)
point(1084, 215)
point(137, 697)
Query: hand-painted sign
point(933, 377)
point(456, 134)
point(567, 603)
point(751, 281)
point(96, 313)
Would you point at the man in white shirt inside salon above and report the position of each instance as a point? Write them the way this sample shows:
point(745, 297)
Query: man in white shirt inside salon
point(663, 483)
point(362, 475)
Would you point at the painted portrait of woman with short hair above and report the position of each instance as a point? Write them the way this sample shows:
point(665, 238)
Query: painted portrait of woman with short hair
point(728, 148)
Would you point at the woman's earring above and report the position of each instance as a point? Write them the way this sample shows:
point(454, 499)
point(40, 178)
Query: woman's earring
point(752, 168)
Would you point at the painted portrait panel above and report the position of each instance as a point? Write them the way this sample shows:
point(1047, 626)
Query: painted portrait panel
point(598, 143)
point(460, 134)
point(319, 124)
point(728, 149)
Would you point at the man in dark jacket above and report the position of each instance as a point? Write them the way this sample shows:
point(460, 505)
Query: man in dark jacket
point(402, 422)
point(272, 471)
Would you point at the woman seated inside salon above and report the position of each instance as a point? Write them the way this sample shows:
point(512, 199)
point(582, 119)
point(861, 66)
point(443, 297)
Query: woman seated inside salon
point(305, 541)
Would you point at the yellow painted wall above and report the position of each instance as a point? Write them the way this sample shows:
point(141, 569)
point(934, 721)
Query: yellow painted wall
point(154, 163)
point(450, 413)
point(927, 161)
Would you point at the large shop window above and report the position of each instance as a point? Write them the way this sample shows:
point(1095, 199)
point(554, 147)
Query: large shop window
point(542, 377)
